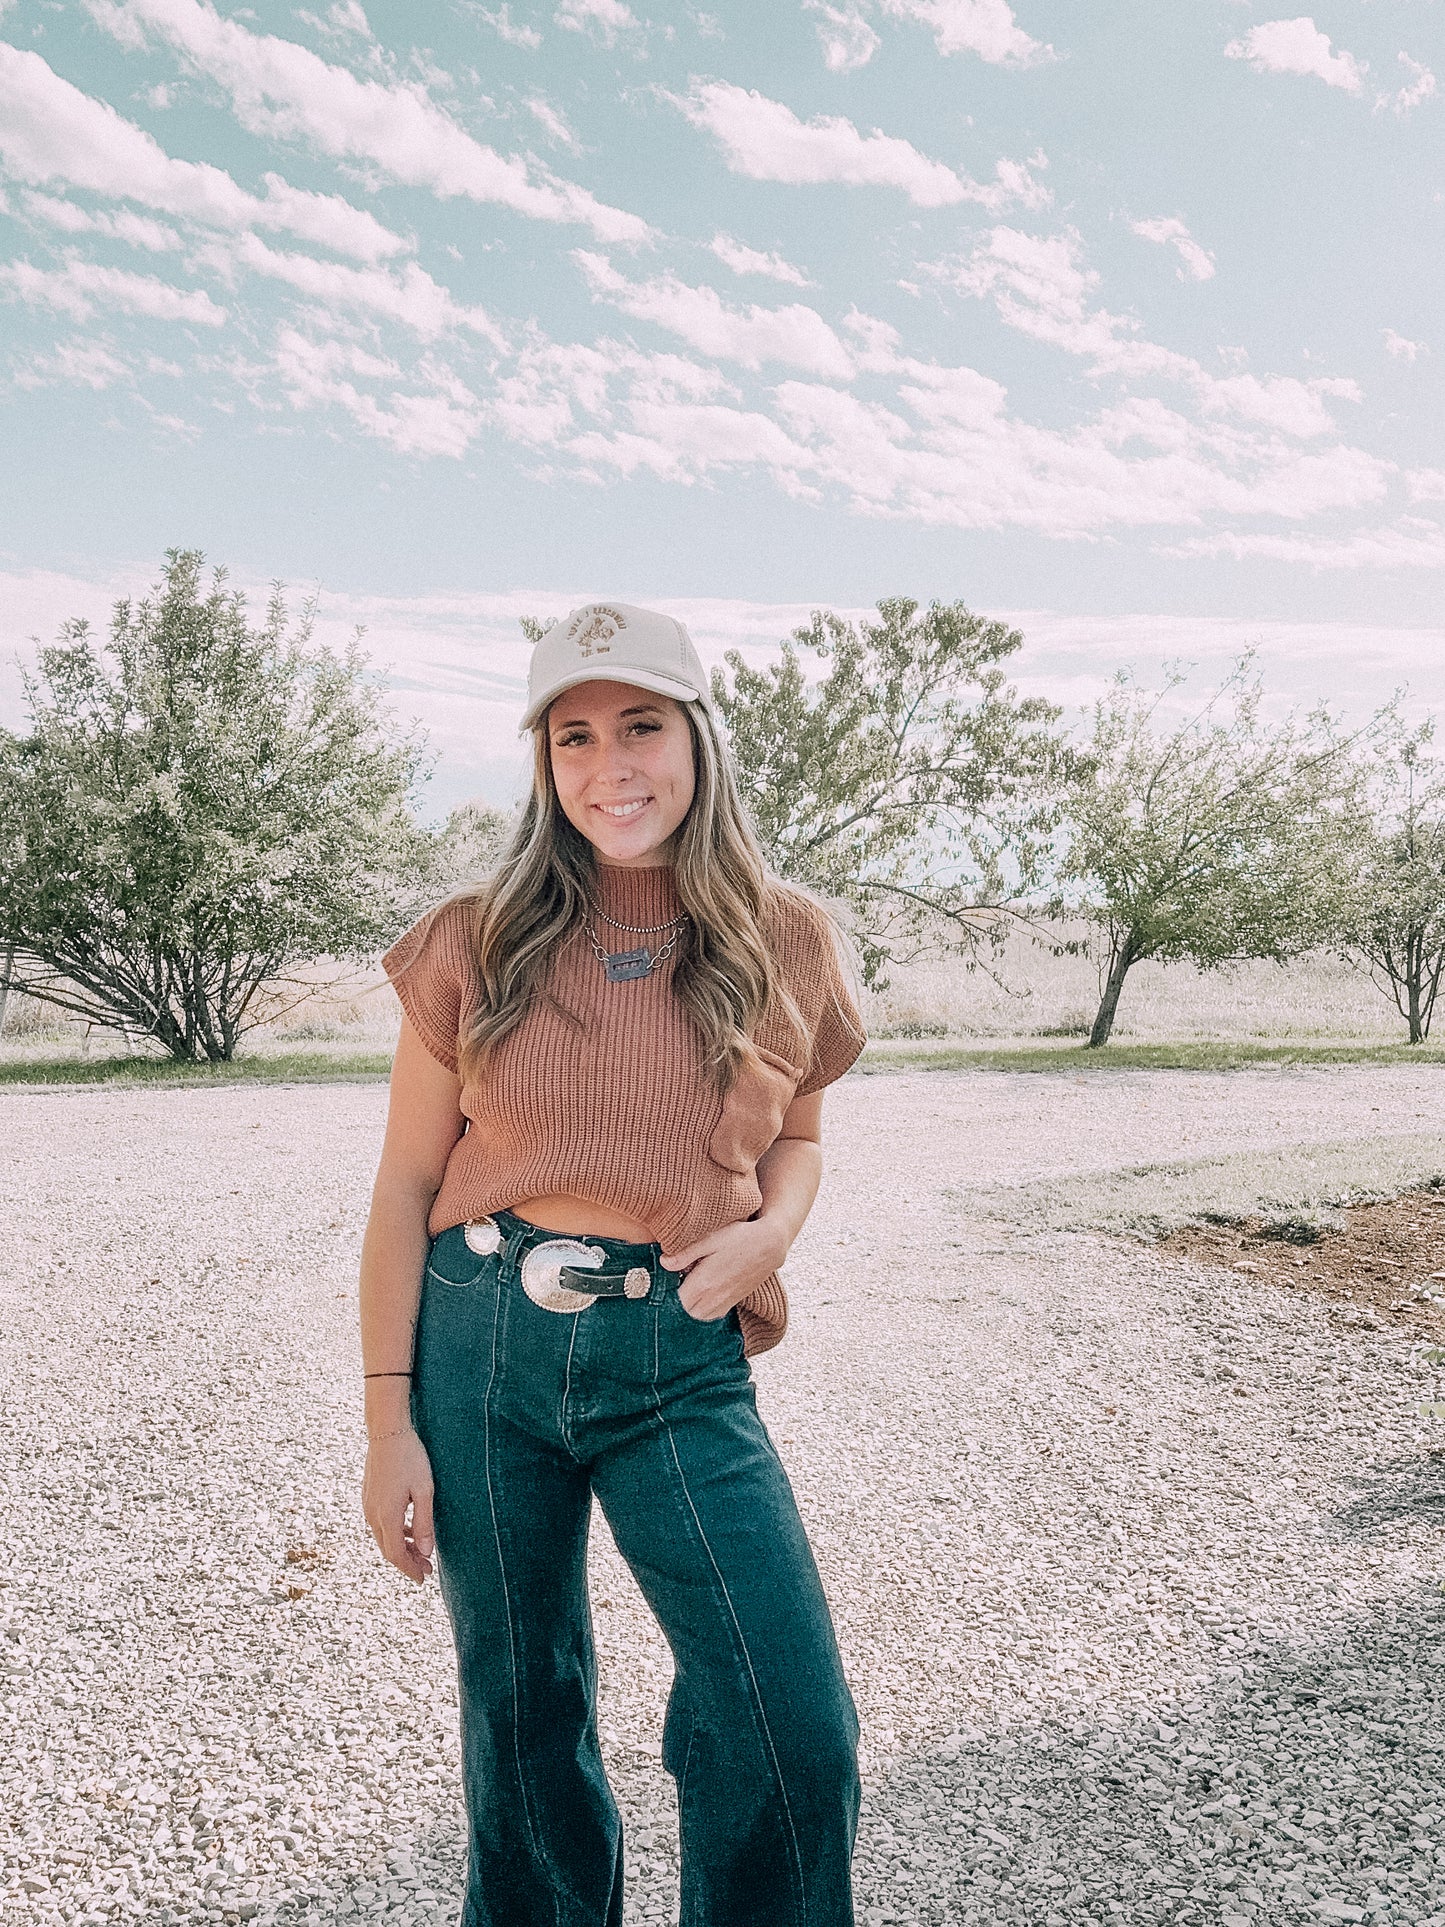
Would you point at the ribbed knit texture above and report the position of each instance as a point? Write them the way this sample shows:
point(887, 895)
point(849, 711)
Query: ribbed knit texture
point(616, 1107)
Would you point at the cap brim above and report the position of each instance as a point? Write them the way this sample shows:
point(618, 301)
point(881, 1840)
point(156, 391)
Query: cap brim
point(682, 692)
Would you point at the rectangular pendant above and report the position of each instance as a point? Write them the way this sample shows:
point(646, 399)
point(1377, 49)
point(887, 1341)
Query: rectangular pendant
point(623, 965)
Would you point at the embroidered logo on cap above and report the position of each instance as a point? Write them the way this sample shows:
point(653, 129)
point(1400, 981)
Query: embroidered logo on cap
point(594, 628)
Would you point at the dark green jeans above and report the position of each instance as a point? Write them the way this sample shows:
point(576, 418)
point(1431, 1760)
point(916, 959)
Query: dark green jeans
point(526, 1413)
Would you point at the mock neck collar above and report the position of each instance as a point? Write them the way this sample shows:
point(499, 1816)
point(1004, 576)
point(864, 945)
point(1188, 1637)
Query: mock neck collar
point(637, 895)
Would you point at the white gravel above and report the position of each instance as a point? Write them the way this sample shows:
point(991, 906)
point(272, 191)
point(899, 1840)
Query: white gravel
point(1136, 1567)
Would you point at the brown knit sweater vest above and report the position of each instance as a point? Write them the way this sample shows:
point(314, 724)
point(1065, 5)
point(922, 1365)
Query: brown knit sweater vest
point(614, 1106)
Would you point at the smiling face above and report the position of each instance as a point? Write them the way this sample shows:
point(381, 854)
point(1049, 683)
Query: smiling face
point(622, 761)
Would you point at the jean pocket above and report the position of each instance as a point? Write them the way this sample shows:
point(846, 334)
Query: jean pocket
point(705, 1333)
point(452, 1262)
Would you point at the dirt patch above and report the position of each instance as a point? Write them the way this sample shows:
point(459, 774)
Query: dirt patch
point(1385, 1263)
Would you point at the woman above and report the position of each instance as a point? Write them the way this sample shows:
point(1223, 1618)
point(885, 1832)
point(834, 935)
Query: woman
point(603, 1137)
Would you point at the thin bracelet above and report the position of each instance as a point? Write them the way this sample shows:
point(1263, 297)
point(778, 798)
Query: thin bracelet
point(402, 1432)
point(386, 1374)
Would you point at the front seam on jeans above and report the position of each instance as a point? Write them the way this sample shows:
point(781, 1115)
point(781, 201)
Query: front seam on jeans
point(762, 1718)
point(563, 1425)
point(532, 1834)
point(682, 1779)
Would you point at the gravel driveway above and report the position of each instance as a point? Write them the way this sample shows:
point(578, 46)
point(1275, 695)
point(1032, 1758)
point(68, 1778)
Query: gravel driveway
point(1136, 1566)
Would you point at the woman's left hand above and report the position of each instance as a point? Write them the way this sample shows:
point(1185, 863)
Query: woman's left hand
point(725, 1266)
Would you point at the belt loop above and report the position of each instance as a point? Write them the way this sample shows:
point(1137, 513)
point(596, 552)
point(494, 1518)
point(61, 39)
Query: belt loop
point(507, 1263)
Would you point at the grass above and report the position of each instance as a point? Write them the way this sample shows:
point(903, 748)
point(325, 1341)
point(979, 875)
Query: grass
point(1009, 1054)
point(1151, 1200)
point(280, 1067)
point(340, 1065)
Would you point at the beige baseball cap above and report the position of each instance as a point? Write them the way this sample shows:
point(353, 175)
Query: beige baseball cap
point(615, 642)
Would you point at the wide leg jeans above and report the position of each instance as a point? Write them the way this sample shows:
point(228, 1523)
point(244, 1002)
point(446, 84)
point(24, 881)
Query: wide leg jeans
point(525, 1414)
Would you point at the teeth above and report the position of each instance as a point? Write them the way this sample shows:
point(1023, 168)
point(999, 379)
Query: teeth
point(624, 809)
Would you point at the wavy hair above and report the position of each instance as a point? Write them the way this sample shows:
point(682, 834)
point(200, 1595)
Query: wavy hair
point(544, 885)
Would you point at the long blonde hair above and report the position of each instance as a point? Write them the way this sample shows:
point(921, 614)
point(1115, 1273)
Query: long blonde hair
point(725, 973)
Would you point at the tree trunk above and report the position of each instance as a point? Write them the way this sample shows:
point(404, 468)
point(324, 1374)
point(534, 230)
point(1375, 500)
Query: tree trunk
point(9, 965)
point(1415, 969)
point(1120, 958)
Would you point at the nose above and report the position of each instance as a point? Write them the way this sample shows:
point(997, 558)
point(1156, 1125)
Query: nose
point(617, 763)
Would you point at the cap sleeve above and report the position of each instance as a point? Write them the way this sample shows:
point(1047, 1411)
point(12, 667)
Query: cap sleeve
point(826, 1000)
point(430, 970)
point(837, 1042)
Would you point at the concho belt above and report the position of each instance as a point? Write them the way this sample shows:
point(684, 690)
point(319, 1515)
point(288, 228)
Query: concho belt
point(552, 1270)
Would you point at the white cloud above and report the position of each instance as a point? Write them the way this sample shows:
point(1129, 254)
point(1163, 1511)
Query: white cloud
point(174, 424)
point(506, 28)
point(1292, 406)
point(797, 336)
point(553, 121)
point(1425, 484)
point(536, 399)
point(847, 40)
point(603, 19)
point(766, 141)
point(1419, 86)
point(745, 260)
point(135, 230)
point(1298, 47)
point(944, 451)
point(1196, 262)
point(278, 88)
point(345, 20)
point(80, 287)
point(52, 133)
point(983, 27)
point(443, 419)
point(1415, 544)
point(966, 463)
point(81, 363)
point(611, 409)
point(409, 297)
point(678, 441)
point(1040, 286)
point(327, 220)
point(1401, 347)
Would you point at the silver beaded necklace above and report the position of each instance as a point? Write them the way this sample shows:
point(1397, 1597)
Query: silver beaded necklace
point(625, 966)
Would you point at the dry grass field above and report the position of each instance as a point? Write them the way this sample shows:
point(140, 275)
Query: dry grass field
point(1029, 992)
point(1025, 993)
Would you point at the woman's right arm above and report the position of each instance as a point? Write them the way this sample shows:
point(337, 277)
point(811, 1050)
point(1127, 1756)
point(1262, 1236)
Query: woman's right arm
point(424, 1120)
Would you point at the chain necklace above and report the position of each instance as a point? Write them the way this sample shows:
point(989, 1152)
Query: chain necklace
point(640, 929)
point(625, 966)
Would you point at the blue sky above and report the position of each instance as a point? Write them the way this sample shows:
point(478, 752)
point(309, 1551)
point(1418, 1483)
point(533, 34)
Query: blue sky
point(1123, 321)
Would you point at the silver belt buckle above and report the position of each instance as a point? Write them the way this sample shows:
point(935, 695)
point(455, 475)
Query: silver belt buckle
point(542, 1267)
point(482, 1236)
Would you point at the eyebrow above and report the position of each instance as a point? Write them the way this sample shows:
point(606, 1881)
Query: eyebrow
point(637, 709)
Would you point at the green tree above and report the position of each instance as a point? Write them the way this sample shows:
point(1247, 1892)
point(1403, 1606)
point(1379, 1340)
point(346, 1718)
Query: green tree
point(1220, 839)
point(1397, 921)
point(197, 812)
point(911, 782)
point(471, 841)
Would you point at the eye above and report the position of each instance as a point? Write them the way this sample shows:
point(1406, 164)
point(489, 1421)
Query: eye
point(572, 736)
point(650, 728)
